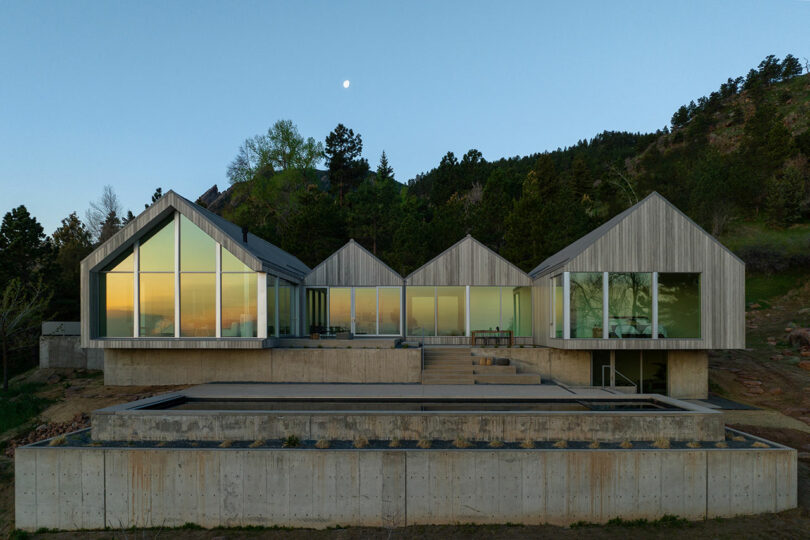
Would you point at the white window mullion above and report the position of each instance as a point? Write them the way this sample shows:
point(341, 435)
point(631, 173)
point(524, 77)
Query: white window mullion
point(605, 312)
point(136, 287)
point(218, 280)
point(654, 329)
point(566, 305)
point(262, 306)
point(378, 311)
point(176, 275)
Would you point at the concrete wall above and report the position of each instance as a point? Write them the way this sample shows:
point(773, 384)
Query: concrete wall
point(688, 374)
point(603, 426)
point(61, 351)
point(565, 366)
point(93, 488)
point(160, 367)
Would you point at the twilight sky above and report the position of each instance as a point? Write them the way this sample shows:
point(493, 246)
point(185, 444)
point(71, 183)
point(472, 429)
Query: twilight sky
point(146, 94)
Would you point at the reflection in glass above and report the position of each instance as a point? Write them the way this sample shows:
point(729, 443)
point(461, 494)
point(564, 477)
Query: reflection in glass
point(485, 308)
point(557, 294)
point(630, 304)
point(117, 310)
point(678, 305)
point(271, 306)
point(316, 310)
point(522, 310)
point(586, 304)
point(390, 300)
point(197, 249)
point(239, 305)
point(231, 264)
point(451, 311)
point(654, 372)
point(156, 252)
point(156, 293)
point(285, 308)
point(123, 263)
point(420, 306)
point(365, 310)
point(340, 309)
point(198, 304)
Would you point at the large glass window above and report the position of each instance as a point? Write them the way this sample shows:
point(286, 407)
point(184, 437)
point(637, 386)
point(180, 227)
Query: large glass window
point(198, 304)
point(156, 304)
point(156, 252)
point(557, 296)
point(678, 305)
point(272, 324)
point(390, 300)
point(365, 310)
point(521, 314)
point(630, 304)
point(286, 308)
point(340, 309)
point(197, 250)
point(420, 309)
point(451, 311)
point(485, 308)
point(239, 304)
point(316, 310)
point(116, 298)
point(231, 264)
point(586, 304)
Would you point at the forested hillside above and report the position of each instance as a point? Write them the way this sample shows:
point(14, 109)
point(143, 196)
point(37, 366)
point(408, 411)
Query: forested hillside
point(737, 155)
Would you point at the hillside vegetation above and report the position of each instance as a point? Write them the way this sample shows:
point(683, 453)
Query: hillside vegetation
point(735, 161)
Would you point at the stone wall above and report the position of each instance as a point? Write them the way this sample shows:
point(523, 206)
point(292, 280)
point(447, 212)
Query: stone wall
point(197, 366)
point(119, 488)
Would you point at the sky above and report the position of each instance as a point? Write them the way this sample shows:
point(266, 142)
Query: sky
point(145, 94)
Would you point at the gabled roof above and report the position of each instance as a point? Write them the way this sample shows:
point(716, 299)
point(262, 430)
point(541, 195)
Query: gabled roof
point(256, 253)
point(353, 265)
point(468, 262)
point(574, 249)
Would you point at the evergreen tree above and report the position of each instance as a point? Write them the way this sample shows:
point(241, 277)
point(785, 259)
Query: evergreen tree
point(155, 197)
point(384, 170)
point(347, 168)
point(72, 243)
point(791, 67)
point(23, 248)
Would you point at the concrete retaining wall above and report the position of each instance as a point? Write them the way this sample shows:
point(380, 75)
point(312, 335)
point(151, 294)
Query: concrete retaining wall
point(166, 366)
point(565, 366)
point(603, 426)
point(688, 374)
point(61, 351)
point(93, 488)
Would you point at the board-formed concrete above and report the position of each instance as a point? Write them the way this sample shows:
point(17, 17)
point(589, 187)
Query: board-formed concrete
point(65, 351)
point(93, 488)
point(166, 366)
point(564, 366)
point(688, 374)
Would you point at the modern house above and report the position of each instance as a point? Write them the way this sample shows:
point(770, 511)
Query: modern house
point(181, 295)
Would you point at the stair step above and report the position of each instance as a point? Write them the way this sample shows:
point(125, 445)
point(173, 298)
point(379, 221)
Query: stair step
point(518, 378)
point(495, 369)
point(469, 379)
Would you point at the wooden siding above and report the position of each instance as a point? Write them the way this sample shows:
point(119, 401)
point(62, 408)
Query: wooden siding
point(657, 237)
point(469, 262)
point(352, 266)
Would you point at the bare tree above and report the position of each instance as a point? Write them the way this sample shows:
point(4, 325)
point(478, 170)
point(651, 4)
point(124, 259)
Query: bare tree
point(103, 211)
point(21, 310)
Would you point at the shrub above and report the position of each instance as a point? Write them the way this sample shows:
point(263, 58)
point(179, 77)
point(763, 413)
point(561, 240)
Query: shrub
point(561, 444)
point(423, 443)
point(495, 443)
point(226, 444)
point(58, 441)
point(461, 442)
point(693, 444)
point(626, 445)
point(594, 445)
point(661, 443)
point(322, 444)
point(759, 444)
point(394, 443)
point(360, 442)
point(528, 444)
point(291, 442)
point(721, 444)
point(256, 444)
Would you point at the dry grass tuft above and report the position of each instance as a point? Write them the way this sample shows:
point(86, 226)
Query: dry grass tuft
point(528, 444)
point(594, 445)
point(561, 444)
point(195, 444)
point(360, 442)
point(661, 443)
point(721, 444)
point(394, 443)
point(58, 441)
point(226, 443)
point(461, 442)
point(626, 445)
point(423, 443)
point(322, 444)
point(758, 444)
point(495, 443)
point(161, 444)
point(256, 444)
point(738, 438)
point(693, 444)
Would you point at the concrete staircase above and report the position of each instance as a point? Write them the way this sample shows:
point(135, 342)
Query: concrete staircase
point(456, 365)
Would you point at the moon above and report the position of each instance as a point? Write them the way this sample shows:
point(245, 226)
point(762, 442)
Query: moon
point(346, 83)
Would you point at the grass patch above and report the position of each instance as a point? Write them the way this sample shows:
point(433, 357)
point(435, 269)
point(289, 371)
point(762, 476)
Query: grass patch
point(763, 288)
point(19, 405)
